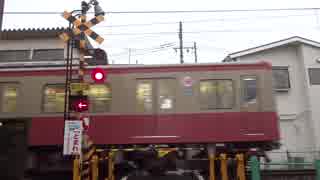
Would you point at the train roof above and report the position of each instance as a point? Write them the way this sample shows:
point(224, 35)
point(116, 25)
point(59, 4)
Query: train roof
point(10, 68)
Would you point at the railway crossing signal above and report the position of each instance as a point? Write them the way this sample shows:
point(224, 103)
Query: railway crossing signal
point(82, 27)
point(78, 102)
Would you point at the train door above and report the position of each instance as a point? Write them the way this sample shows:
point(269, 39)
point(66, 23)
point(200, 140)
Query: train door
point(250, 105)
point(146, 105)
point(165, 109)
point(157, 97)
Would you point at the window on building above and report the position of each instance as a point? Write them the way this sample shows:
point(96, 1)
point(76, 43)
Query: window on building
point(54, 98)
point(14, 55)
point(100, 98)
point(281, 79)
point(216, 94)
point(314, 76)
point(144, 96)
point(9, 94)
point(249, 89)
point(48, 54)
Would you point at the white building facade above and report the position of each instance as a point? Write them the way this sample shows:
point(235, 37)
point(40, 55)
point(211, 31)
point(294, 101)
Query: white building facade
point(296, 72)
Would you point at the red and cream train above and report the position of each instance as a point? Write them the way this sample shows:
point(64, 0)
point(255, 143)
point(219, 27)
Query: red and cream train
point(227, 103)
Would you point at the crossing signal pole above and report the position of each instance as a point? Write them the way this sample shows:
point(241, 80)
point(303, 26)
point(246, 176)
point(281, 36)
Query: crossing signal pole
point(78, 101)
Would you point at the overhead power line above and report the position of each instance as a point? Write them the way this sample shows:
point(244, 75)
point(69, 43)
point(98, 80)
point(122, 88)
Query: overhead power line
point(176, 11)
point(207, 20)
point(207, 31)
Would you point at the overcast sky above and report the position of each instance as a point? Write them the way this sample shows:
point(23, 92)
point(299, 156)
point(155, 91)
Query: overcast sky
point(216, 34)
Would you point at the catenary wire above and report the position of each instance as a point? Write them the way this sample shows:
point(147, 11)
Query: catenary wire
point(175, 11)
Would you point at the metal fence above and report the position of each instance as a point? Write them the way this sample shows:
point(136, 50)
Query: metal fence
point(284, 170)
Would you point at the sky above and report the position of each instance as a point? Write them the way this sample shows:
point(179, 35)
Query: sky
point(151, 38)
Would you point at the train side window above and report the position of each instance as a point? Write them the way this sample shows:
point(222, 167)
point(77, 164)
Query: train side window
point(225, 94)
point(100, 98)
point(216, 94)
point(249, 89)
point(9, 93)
point(144, 95)
point(54, 98)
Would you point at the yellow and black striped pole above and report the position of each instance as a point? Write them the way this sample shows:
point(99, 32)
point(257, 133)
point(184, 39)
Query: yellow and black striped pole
point(82, 28)
point(76, 168)
point(241, 174)
point(111, 165)
point(224, 166)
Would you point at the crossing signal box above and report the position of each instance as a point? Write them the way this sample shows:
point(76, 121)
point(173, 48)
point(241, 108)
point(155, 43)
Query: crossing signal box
point(100, 55)
point(78, 103)
point(96, 57)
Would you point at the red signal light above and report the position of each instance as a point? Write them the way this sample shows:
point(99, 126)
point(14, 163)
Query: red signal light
point(82, 105)
point(98, 75)
point(79, 103)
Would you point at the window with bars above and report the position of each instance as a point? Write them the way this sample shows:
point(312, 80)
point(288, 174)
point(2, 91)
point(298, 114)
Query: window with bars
point(314, 76)
point(48, 54)
point(281, 80)
point(14, 55)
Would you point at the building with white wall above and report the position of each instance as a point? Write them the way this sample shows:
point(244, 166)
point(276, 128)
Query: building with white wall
point(296, 72)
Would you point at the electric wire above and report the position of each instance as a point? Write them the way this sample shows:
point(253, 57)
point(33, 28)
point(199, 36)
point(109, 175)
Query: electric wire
point(205, 20)
point(176, 11)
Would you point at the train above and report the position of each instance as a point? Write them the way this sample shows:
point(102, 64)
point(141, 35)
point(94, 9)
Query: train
point(228, 105)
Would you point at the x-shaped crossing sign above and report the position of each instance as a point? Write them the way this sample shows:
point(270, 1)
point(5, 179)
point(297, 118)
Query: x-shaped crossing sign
point(81, 28)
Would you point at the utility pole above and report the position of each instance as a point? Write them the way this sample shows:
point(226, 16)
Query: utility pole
point(129, 55)
point(195, 52)
point(1, 13)
point(181, 42)
point(194, 47)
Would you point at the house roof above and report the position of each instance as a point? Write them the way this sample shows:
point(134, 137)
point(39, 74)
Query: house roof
point(283, 42)
point(35, 33)
point(30, 33)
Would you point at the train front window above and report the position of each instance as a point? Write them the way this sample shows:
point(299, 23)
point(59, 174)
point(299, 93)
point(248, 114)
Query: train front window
point(144, 96)
point(100, 98)
point(9, 97)
point(249, 89)
point(216, 94)
point(54, 98)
